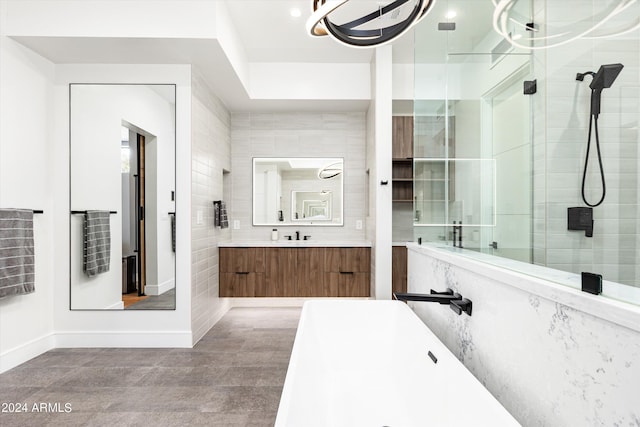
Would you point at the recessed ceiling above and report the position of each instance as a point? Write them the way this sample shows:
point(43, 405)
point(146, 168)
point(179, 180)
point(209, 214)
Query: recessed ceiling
point(268, 33)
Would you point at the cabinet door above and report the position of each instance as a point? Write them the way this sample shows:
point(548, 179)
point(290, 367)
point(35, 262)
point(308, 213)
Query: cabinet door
point(310, 272)
point(280, 276)
point(399, 269)
point(240, 284)
point(402, 137)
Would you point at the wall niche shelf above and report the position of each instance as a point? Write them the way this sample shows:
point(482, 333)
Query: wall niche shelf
point(402, 159)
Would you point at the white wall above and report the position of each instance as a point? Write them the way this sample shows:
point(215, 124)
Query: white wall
point(26, 88)
point(298, 135)
point(540, 349)
point(383, 171)
point(97, 112)
point(170, 328)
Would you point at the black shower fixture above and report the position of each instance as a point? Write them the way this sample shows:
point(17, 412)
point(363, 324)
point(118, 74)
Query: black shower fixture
point(603, 79)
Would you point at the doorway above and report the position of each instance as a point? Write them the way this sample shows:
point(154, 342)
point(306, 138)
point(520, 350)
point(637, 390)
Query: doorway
point(134, 240)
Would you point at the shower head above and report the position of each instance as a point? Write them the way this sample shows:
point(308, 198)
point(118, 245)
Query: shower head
point(603, 79)
point(605, 76)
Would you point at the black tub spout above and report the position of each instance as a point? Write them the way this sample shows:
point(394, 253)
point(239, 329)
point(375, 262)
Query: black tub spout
point(440, 298)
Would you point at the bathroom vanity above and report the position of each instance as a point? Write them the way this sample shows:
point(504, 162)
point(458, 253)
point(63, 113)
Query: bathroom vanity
point(295, 269)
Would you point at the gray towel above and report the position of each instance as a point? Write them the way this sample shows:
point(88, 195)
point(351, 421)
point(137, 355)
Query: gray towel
point(17, 261)
point(224, 220)
point(216, 214)
point(97, 242)
point(173, 232)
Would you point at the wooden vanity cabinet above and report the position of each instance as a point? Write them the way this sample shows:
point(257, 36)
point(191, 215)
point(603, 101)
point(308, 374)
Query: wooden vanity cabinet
point(241, 271)
point(295, 272)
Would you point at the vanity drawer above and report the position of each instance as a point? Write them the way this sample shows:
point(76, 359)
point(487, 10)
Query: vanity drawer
point(242, 260)
point(240, 284)
point(347, 284)
point(355, 260)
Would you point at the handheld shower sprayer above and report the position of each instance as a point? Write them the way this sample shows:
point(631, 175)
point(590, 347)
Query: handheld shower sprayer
point(603, 79)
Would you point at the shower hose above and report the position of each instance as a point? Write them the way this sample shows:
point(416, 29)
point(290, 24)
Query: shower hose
point(593, 122)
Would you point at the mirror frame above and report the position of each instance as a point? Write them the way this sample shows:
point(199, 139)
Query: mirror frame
point(300, 222)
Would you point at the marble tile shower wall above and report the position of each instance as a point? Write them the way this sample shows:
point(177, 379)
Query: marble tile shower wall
point(211, 154)
point(547, 363)
point(298, 135)
point(614, 250)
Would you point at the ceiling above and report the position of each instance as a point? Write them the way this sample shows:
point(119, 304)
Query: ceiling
point(269, 34)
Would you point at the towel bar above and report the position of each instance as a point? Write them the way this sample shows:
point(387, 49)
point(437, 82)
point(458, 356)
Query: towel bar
point(84, 212)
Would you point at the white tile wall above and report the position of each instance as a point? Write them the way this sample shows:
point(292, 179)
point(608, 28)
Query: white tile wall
point(211, 154)
point(566, 124)
point(298, 135)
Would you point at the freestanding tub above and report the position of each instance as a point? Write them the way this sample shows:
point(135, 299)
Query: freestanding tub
point(366, 363)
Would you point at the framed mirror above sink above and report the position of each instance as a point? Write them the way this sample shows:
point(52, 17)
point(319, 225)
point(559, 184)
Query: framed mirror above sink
point(298, 191)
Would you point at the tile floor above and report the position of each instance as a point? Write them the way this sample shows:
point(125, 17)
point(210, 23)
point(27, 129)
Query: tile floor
point(232, 377)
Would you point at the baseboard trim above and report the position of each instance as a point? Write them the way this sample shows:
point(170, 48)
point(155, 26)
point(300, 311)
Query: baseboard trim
point(122, 339)
point(223, 308)
point(117, 306)
point(160, 288)
point(18, 355)
point(280, 302)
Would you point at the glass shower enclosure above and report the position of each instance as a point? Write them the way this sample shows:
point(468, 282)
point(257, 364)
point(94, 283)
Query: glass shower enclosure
point(500, 138)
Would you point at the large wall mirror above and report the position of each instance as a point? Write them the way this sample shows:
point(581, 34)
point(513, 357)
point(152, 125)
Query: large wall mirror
point(122, 196)
point(298, 191)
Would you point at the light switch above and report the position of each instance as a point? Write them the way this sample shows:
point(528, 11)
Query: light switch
point(236, 224)
point(199, 218)
point(359, 224)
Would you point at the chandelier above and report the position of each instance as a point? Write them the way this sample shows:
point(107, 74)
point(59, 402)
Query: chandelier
point(357, 32)
point(511, 23)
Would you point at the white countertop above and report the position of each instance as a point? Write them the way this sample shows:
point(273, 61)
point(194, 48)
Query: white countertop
point(618, 303)
point(297, 244)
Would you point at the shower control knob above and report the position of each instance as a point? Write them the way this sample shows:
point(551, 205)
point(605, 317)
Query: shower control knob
point(493, 245)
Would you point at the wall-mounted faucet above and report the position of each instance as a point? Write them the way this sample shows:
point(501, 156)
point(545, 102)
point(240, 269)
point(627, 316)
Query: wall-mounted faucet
point(455, 301)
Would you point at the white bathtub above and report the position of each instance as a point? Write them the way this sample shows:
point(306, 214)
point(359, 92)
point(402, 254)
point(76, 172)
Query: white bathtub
point(366, 363)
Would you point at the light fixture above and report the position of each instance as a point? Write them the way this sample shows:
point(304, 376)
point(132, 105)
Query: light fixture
point(451, 14)
point(509, 25)
point(353, 34)
point(330, 171)
point(295, 12)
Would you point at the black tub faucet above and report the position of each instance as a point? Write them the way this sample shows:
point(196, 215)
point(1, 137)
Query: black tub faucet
point(297, 235)
point(455, 301)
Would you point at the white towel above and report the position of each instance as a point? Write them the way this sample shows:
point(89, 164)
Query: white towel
point(17, 260)
point(97, 242)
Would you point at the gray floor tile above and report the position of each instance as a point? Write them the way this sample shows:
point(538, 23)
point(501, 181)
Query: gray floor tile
point(233, 377)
